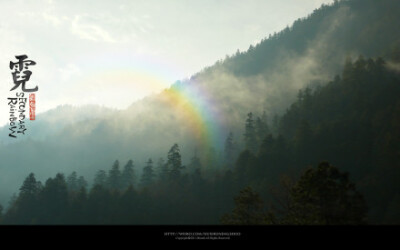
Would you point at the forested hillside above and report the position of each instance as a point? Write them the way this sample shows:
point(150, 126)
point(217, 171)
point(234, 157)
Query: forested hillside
point(248, 120)
point(352, 122)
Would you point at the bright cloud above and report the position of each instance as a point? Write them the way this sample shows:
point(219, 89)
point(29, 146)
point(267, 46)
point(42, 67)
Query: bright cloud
point(146, 45)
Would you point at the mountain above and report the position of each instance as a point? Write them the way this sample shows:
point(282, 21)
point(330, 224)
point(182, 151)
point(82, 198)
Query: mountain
point(199, 112)
point(51, 122)
point(353, 121)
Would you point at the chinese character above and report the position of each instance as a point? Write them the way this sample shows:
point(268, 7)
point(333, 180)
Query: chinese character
point(21, 74)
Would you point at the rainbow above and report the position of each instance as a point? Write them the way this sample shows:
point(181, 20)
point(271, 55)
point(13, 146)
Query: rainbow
point(192, 101)
point(199, 111)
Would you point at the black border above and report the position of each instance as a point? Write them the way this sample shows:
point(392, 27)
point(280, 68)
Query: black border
point(283, 235)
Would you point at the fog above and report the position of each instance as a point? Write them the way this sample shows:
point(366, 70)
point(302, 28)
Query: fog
point(92, 138)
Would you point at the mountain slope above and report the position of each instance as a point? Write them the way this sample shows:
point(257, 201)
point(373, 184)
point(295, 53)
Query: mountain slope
point(199, 112)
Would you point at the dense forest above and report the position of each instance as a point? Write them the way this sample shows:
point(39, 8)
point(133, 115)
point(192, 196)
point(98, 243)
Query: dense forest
point(266, 77)
point(304, 128)
point(331, 158)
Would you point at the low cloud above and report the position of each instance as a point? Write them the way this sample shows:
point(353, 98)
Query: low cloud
point(90, 32)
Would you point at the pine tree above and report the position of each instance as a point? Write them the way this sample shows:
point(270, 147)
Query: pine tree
point(72, 181)
point(148, 174)
point(77, 214)
point(196, 177)
point(348, 69)
point(81, 183)
point(303, 141)
point(162, 169)
point(211, 157)
point(23, 208)
point(128, 175)
point(275, 124)
point(264, 117)
point(1, 214)
point(248, 210)
point(53, 201)
point(229, 150)
point(250, 133)
point(174, 162)
point(101, 178)
point(195, 162)
point(114, 176)
point(262, 129)
point(325, 196)
point(30, 186)
point(13, 200)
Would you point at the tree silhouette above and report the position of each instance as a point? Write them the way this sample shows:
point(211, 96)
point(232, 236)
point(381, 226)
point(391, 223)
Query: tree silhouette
point(250, 137)
point(30, 186)
point(261, 128)
point(72, 181)
point(248, 210)
point(325, 196)
point(174, 162)
point(101, 178)
point(229, 150)
point(147, 174)
point(82, 183)
point(195, 162)
point(162, 169)
point(1, 214)
point(114, 176)
point(128, 175)
point(54, 201)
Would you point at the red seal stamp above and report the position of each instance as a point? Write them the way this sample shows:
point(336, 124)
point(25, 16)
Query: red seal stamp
point(32, 106)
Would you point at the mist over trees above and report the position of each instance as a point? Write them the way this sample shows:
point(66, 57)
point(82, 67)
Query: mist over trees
point(270, 180)
point(281, 110)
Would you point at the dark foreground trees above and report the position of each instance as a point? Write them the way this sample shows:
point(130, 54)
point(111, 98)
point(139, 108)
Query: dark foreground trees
point(322, 196)
point(249, 210)
point(325, 196)
point(352, 121)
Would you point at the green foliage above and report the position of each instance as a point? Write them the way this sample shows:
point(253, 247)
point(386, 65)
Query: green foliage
point(23, 206)
point(100, 178)
point(174, 162)
point(195, 163)
point(248, 210)
point(114, 176)
point(53, 200)
point(250, 137)
point(82, 183)
point(262, 128)
point(72, 181)
point(128, 175)
point(147, 174)
point(244, 167)
point(321, 196)
point(1, 214)
point(162, 168)
point(30, 187)
point(322, 39)
point(75, 183)
point(353, 121)
point(325, 196)
point(229, 150)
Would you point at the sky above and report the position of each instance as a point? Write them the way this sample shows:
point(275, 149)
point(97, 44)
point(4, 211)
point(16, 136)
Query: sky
point(115, 52)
